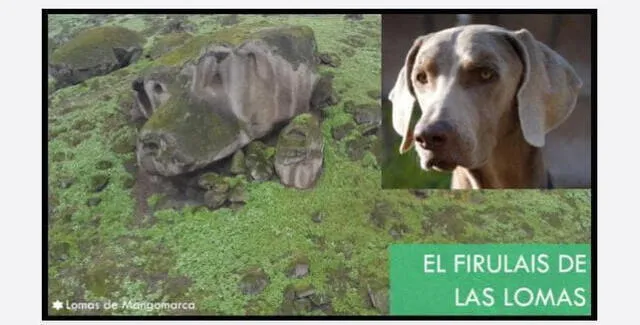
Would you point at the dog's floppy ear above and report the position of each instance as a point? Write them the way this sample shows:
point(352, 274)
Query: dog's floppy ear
point(402, 97)
point(548, 90)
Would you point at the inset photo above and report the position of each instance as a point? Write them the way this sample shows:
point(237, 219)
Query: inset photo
point(486, 101)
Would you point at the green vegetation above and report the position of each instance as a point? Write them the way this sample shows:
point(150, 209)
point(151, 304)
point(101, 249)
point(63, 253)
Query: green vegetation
point(93, 46)
point(108, 251)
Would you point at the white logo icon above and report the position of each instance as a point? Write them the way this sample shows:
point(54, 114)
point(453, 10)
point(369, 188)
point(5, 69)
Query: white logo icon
point(57, 305)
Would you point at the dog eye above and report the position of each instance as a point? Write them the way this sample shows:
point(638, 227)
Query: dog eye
point(422, 77)
point(486, 74)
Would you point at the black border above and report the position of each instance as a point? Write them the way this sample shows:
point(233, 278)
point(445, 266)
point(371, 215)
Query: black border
point(45, 219)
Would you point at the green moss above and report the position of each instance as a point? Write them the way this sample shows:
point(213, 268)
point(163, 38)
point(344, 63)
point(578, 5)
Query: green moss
point(194, 46)
point(168, 42)
point(93, 46)
point(197, 128)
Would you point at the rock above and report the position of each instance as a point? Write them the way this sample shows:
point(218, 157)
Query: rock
point(323, 94)
point(94, 52)
point(237, 194)
point(177, 25)
point(217, 189)
point(302, 305)
point(93, 201)
point(321, 301)
point(298, 268)
point(317, 217)
point(379, 299)
point(329, 59)
point(99, 182)
point(368, 129)
point(341, 131)
point(253, 282)
point(213, 182)
point(304, 291)
point(258, 161)
point(237, 163)
point(214, 200)
point(354, 17)
point(186, 134)
point(67, 182)
point(366, 114)
point(358, 147)
point(299, 152)
point(397, 231)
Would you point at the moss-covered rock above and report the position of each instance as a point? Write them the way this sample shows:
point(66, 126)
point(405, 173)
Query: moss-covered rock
point(237, 163)
point(323, 94)
point(184, 135)
point(258, 159)
point(199, 121)
point(93, 52)
point(254, 281)
point(299, 153)
point(297, 44)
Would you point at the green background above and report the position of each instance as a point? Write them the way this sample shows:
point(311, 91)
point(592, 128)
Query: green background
point(414, 292)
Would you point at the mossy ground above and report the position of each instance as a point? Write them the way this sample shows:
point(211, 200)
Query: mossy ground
point(103, 252)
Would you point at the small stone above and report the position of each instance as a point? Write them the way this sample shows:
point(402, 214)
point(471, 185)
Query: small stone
point(237, 194)
point(214, 200)
point(99, 182)
point(237, 163)
point(369, 129)
point(253, 282)
point(301, 305)
point(379, 299)
point(305, 291)
point(328, 59)
point(341, 131)
point(317, 217)
point(299, 268)
point(67, 182)
point(320, 299)
point(367, 114)
point(357, 148)
point(94, 201)
point(213, 182)
point(398, 231)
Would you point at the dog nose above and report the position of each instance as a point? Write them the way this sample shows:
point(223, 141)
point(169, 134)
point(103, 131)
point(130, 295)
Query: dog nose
point(434, 136)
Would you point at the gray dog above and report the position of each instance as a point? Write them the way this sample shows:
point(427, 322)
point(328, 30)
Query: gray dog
point(488, 96)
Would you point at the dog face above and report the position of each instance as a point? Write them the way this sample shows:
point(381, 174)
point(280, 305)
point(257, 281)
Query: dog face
point(475, 84)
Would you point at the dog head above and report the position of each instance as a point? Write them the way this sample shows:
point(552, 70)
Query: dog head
point(474, 84)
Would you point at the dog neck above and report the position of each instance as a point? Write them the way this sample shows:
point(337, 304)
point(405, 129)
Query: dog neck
point(514, 163)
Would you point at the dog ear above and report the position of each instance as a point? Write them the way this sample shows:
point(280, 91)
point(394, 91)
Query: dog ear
point(549, 88)
point(402, 97)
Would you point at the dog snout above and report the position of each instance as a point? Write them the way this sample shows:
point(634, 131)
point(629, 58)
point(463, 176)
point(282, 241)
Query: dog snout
point(434, 135)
